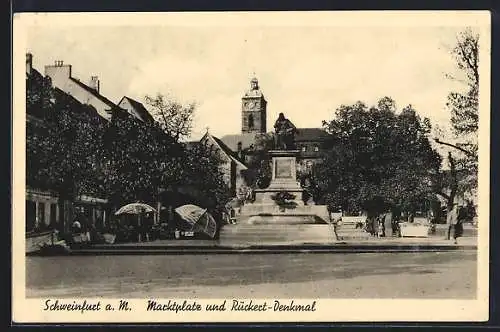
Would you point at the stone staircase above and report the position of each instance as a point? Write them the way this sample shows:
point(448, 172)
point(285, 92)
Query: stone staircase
point(287, 233)
point(269, 234)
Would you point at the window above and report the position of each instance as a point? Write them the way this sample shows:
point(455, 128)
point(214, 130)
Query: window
point(316, 149)
point(304, 149)
point(250, 121)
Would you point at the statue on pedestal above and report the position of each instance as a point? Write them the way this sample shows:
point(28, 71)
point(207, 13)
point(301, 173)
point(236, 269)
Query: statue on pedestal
point(285, 133)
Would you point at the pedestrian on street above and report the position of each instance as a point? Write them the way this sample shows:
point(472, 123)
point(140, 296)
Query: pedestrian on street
point(396, 230)
point(76, 226)
point(381, 226)
point(451, 220)
point(374, 226)
point(335, 220)
point(459, 226)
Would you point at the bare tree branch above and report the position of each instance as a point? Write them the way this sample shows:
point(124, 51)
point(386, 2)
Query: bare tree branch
point(455, 147)
point(174, 118)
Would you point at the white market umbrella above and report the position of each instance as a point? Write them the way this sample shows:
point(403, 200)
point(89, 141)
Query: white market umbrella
point(198, 218)
point(135, 208)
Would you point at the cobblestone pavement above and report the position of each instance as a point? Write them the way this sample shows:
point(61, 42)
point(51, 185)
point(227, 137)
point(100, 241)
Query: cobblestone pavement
point(371, 275)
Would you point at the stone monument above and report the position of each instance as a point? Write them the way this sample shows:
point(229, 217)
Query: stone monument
point(265, 221)
point(283, 165)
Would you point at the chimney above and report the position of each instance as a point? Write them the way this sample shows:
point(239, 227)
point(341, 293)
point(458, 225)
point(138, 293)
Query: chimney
point(59, 73)
point(94, 83)
point(29, 63)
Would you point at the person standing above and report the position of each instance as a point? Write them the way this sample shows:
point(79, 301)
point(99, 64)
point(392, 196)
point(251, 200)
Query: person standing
point(451, 220)
point(76, 227)
point(459, 225)
point(381, 226)
point(335, 220)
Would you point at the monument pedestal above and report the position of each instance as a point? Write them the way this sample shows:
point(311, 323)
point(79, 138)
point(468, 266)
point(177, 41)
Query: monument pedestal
point(264, 222)
point(284, 178)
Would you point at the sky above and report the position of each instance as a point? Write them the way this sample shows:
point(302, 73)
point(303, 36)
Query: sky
point(305, 71)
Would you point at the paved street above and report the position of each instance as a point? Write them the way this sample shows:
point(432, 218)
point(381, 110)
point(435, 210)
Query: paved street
point(375, 275)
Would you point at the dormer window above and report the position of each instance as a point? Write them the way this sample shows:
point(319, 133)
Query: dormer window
point(304, 149)
point(316, 149)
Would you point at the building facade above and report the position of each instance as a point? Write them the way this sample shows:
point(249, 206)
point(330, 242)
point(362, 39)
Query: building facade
point(232, 167)
point(44, 208)
point(136, 109)
point(253, 110)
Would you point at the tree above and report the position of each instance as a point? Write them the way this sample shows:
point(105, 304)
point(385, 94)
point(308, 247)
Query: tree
point(376, 159)
point(175, 118)
point(136, 158)
point(464, 108)
point(258, 174)
point(416, 162)
point(62, 138)
point(200, 168)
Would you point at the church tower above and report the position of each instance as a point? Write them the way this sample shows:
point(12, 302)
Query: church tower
point(253, 110)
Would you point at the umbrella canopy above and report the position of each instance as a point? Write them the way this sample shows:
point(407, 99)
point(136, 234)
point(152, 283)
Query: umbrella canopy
point(198, 218)
point(135, 208)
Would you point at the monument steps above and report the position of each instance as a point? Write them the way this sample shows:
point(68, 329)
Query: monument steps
point(280, 219)
point(287, 233)
point(277, 215)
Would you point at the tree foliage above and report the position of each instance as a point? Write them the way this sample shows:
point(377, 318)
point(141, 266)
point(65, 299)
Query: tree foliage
point(377, 158)
point(62, 138)
point(175, 118)
point(258, 174)
point(464, 108)
point(73, 151)
point(135, 159)
point(199, 167)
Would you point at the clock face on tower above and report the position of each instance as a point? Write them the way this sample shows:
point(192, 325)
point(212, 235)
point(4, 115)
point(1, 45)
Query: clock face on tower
point(253, 110)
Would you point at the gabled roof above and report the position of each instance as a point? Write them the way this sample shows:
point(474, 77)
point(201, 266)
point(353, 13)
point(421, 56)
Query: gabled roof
point(231, 141)
point(224, 148)
point(77, 106)
point(139, 108)
point(310, 134)
point(95, 93)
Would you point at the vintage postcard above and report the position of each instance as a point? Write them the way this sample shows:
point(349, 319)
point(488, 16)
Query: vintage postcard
point(251, 167)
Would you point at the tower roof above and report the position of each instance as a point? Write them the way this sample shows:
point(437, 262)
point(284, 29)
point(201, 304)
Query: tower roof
point(254, 90)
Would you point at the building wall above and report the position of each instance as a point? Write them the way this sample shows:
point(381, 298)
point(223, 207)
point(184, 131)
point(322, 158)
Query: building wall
point(225, 168)
point(125, 104)
point(42, 209)
point(309, 149)
point(258, 112)
point(60, 76)
point(240, 181)
point(310, 154)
